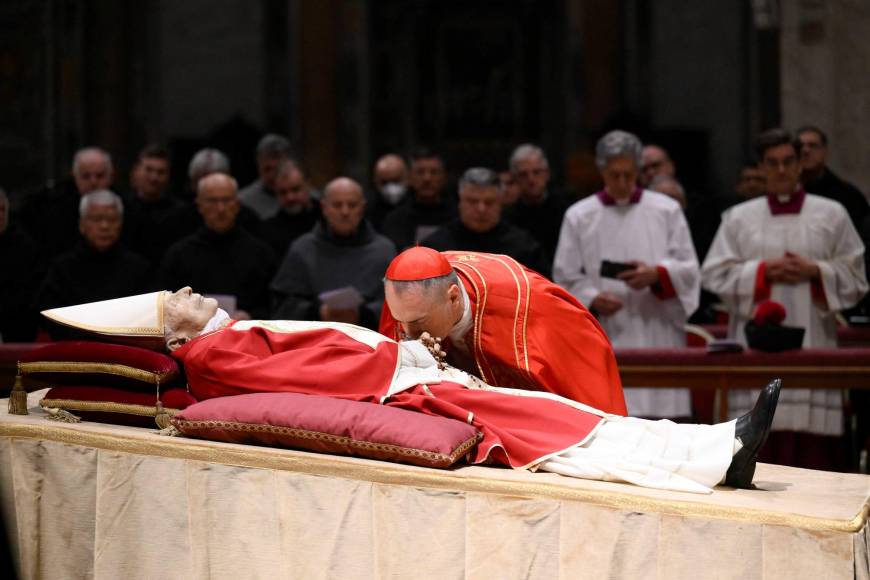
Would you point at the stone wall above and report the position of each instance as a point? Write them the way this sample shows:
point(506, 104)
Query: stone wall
point(825, 75)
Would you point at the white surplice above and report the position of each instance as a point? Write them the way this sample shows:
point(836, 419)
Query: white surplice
point(654, 231)
point(822, 232)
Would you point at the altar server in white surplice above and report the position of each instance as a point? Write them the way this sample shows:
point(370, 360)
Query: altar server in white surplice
point(797, 249)
point(647, 305)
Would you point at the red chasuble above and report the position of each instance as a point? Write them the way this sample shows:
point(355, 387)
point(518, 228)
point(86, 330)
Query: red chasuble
point(254, 357)
point(530, 333)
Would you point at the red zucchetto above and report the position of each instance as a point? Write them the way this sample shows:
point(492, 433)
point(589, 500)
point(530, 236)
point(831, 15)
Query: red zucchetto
point(418, 263)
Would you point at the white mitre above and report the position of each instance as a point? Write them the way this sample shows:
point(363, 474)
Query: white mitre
point(136, 320)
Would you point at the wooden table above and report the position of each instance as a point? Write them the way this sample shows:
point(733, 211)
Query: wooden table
point(826, 368)
point(847, 336)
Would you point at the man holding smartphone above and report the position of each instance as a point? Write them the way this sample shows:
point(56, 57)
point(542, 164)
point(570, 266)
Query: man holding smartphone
point(626, 253)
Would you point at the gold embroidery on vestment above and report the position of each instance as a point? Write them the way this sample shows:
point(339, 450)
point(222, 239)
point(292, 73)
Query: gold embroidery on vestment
point(477, 350)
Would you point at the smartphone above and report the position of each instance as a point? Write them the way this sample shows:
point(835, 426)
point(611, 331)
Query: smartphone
point(613, 269)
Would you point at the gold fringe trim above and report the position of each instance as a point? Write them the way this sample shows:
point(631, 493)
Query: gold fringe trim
point(106, 407)
point(192, 427)
point(105, 368)
point(463, 480)
point(62, 415)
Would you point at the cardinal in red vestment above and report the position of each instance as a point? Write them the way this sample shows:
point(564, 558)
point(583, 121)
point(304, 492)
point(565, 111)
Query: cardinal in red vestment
point(503, 323)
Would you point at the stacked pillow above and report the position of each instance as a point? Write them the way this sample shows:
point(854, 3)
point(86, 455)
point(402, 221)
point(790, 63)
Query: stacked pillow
point(111, 383)
point(127, 385)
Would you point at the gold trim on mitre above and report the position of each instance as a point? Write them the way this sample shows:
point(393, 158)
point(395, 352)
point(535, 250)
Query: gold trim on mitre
point(137, 317)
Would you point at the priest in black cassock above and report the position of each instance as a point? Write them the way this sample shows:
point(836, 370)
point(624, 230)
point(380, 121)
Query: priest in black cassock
point(480, 227)
point(221, 257)
point(429, 207)
point(298, 211)
point(99, 267)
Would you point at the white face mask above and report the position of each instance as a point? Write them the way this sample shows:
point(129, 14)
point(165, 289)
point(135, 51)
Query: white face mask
point(393, 192)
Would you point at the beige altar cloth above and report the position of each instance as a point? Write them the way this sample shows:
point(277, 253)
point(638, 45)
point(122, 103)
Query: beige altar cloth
point(101, 501)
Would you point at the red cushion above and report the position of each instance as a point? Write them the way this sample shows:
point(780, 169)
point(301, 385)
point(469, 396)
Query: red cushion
point(118, 406)
point(83, 362)
point(329, 425)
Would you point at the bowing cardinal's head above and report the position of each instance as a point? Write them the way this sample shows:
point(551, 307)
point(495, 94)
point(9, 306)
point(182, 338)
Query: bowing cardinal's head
point(422, 293)
point(769, 312)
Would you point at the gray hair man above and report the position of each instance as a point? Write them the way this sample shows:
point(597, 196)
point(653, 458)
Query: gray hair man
point(260, 196)
point(539, 209)
point(627, 254)
point(205, 162)
point(99, 266)
point(101, 214)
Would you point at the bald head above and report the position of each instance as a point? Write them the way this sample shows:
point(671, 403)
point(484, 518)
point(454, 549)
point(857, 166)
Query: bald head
point(343, 206)
point(391, 178)
point(92, 169)
point(217, 181)
point(390, 169)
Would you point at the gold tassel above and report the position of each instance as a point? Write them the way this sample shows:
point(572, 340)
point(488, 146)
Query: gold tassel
point(161, 417)
point(170, 431)
point(18, 398)
point(61, 415)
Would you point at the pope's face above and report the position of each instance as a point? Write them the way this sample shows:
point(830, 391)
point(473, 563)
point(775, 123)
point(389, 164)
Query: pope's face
point(419, 311)
point(187, 312)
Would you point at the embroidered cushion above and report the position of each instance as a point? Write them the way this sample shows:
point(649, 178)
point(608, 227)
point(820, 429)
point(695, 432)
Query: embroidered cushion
point(118, 406)
point(80, 362)
point(329, 425)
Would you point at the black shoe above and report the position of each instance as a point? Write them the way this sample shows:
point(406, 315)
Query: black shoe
point(752, 430)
